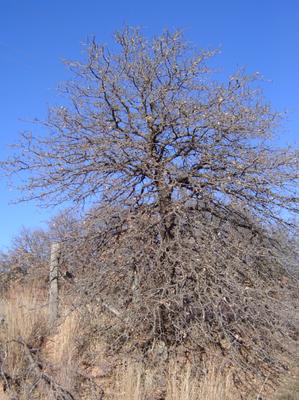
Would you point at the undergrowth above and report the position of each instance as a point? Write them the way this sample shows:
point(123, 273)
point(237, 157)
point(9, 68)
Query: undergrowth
point(74, 361)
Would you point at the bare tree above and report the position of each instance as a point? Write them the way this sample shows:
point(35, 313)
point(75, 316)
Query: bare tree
point(27, 258)
point(191, 238)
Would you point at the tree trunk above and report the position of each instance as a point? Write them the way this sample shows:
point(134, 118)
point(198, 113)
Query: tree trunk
point(165, 208)
point(135, 285)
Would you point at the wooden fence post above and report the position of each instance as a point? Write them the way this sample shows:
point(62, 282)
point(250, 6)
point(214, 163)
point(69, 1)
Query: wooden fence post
point(54, 271)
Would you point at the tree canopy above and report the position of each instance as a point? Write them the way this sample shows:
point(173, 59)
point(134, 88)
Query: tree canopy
point(192, 233)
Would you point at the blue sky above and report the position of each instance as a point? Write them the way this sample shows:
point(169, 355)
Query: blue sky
point(34, 34)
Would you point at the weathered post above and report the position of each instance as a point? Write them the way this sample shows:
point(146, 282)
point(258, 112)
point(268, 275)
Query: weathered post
point(54, 271)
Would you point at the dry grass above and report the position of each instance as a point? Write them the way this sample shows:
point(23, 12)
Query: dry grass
point(35, 363)
point(75, 364)
point(25, 321)
point(137, 383)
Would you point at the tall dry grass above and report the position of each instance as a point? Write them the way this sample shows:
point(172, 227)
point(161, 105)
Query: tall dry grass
point(23, 332)
point(25, 321)
point(35, 362)
point(137, 383)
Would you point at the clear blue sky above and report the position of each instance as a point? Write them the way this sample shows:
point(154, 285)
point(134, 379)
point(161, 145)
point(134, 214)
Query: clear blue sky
point(261, 33)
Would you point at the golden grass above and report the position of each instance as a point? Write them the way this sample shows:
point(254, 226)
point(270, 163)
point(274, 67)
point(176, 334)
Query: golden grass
point(135, 382)
point(26, 321)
